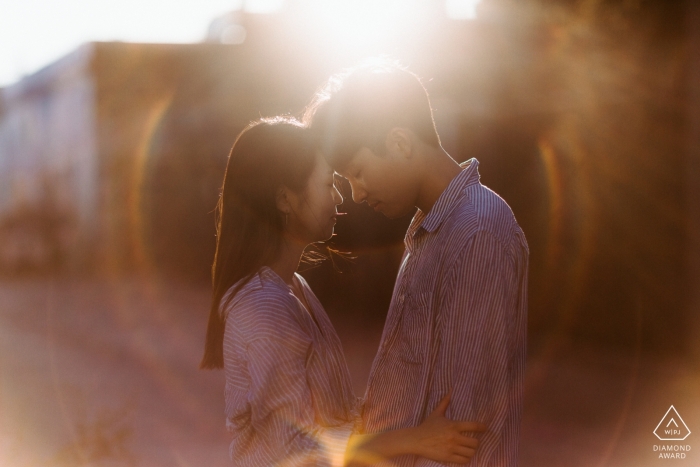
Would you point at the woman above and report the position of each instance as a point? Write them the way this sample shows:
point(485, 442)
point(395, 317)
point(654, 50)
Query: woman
point(288, 394)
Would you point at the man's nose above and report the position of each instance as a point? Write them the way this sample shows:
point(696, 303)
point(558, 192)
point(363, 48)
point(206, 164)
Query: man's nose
point(358, 194)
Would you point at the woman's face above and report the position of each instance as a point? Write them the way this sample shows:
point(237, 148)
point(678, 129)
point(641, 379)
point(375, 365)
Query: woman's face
point(314, 212)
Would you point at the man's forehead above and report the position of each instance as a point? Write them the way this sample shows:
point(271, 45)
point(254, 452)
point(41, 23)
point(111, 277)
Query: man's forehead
point(356, 162)
point(347, 168)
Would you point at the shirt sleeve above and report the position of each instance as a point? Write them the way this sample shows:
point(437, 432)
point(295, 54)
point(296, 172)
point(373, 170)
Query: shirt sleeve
point(481, 349)
point(281, 429)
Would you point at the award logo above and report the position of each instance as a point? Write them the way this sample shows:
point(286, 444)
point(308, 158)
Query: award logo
point(671, 427)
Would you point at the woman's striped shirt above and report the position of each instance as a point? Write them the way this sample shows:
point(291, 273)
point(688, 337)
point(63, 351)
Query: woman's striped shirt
point(289, 398)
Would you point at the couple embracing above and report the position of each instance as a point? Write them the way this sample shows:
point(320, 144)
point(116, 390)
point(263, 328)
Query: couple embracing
point(446, 385)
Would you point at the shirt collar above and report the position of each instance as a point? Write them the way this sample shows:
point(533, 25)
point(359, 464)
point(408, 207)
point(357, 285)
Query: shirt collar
point(447, 200)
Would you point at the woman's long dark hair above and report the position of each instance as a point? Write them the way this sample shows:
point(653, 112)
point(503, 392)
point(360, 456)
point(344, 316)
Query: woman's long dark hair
point(267, 154)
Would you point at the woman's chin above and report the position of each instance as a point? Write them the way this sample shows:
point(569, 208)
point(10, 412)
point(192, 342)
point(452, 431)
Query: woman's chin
point(327, 236)
point(324, 234)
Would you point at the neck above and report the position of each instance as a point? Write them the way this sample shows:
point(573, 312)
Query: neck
point(287, 262)
point(439, 169)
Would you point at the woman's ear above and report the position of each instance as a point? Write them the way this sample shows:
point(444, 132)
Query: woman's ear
point(282, 199)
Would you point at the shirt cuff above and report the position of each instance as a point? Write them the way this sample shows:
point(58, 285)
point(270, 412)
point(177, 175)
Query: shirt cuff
point(335, 443)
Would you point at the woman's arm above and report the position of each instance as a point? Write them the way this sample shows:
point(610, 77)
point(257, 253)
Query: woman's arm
point(268, 361)
point(282, 412)
point(437, 438)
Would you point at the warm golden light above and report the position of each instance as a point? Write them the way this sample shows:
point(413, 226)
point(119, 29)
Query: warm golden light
point(363, 22)
point(584, 116)
point(263, 6)
point(462, 9)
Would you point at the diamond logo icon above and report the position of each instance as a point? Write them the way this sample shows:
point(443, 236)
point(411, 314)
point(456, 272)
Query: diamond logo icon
point(672, 427)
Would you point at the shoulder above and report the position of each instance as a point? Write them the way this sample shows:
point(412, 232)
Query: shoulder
point(260, 293)
point(263, 308)
point(483, 210)
point(305, 285)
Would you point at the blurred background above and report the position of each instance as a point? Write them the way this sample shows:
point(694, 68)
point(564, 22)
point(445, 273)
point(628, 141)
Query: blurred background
point(116, 119)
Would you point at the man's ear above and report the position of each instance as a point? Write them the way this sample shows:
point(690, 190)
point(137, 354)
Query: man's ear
point(399, 141)
point(282, 199)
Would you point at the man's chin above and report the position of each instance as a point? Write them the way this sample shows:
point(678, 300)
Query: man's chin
point(396, 213)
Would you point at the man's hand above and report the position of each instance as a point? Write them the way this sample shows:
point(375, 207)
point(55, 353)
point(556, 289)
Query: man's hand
point(437, 438)
point(443, 440)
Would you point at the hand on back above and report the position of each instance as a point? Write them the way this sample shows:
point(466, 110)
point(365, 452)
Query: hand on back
point(443, 440)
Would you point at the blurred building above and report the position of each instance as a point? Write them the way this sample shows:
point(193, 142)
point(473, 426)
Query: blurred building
point(118, 142)
point(75, 141)
point(48, 148)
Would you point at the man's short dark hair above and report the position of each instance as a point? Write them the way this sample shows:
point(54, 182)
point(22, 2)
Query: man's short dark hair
point(358, 107)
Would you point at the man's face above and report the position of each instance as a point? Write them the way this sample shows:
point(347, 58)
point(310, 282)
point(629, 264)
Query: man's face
point(385, 182)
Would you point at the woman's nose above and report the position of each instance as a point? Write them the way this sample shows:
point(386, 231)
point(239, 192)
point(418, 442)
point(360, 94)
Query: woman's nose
point(337, 197)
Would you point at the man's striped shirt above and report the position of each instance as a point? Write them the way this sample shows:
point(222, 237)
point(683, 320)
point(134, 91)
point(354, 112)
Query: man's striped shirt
point(457, 319)
point(289, 398)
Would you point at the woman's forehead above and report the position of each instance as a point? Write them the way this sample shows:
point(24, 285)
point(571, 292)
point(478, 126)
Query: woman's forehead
point(322, 165)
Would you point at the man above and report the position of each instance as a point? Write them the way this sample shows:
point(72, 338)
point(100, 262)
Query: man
point(458, 315)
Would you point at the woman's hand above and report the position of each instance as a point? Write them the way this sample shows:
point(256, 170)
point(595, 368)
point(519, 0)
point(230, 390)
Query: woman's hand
point(441, 439)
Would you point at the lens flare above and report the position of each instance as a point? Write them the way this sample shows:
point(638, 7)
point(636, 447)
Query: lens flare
point(135, 207)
